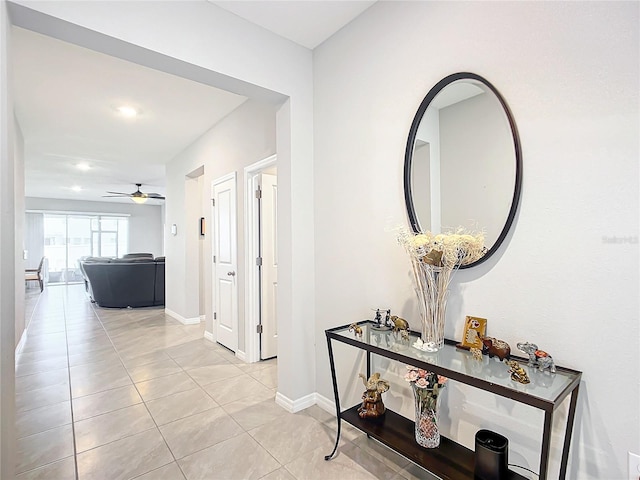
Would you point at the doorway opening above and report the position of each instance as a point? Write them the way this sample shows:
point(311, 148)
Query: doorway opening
point(261, 265)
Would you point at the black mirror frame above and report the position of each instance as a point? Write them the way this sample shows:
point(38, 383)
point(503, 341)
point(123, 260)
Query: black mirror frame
point(408, 156)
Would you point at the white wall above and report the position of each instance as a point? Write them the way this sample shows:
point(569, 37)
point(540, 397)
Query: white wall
point(145, 221)
point(10, 168)
point(244, 137)
point(569, 71)
point(21, 323)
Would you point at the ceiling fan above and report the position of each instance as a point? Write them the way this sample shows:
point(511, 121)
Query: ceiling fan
point(137, 196)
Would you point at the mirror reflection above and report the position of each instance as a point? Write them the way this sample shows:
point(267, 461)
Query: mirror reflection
point(462, 167)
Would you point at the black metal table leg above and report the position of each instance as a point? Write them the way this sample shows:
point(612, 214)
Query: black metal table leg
point(568, 432)
point(336, 397)
point(546, 444)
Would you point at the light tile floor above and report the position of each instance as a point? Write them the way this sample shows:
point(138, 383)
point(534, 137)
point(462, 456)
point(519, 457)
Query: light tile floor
point(112, 394)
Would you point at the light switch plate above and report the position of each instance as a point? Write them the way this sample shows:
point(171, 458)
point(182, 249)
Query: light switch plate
point(634, 466)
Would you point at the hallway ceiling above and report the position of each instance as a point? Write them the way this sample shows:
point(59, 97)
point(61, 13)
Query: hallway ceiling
point(305, 22)
point(66, 99)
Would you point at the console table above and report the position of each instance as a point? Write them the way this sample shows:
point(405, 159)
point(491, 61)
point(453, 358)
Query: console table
point(451, 460)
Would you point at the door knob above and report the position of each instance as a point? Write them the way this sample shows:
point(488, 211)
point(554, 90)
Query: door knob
point(231, 274)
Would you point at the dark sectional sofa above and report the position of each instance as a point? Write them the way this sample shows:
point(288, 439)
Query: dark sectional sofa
point(136, 280)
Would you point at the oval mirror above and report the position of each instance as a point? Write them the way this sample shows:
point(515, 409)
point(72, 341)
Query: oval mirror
point(463, 163)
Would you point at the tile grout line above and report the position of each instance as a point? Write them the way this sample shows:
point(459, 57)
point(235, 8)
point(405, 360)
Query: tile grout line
point(73, 423)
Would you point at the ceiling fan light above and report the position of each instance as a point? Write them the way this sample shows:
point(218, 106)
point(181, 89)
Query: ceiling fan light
point(127, 111)
point(139, 199)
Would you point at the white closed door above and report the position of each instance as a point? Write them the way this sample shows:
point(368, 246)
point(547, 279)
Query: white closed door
point(225, 279)
point(269, 269)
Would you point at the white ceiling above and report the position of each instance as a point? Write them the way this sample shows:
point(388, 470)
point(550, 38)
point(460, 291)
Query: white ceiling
point(66, 98)
point(306, 22)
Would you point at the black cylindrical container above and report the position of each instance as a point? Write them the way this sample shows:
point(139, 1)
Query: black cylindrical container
point(492, 456)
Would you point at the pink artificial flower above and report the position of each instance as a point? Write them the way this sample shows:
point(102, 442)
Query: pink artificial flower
point(422, 373)
point(442, 380)
point(422, 383)
point(411, 376)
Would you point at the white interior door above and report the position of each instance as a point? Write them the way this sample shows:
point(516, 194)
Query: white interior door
point(225, 261)
point(269, 270)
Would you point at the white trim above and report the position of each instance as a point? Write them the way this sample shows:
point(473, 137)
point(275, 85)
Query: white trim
point(203, 318)
point(23, 339)
point(294, 406)
point(209, 336)
point(307, 401)
point(240, 355)
point(251, 250)
point(181, 319)
point(325, 404)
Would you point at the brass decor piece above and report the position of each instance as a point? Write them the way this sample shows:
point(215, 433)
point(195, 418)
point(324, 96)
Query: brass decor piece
point(372, 406)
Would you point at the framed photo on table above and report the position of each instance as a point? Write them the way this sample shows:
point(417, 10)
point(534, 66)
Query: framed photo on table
point(474, 329)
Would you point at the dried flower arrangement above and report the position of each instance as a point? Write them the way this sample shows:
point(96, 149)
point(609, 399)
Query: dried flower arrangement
point(434, 257)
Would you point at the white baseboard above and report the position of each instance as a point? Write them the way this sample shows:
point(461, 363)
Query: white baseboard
point(23, 338)
point(325, 404)
point(294, 406)
point(181, 319)
point(241, 355)
point(209, 336)
point(203, 318)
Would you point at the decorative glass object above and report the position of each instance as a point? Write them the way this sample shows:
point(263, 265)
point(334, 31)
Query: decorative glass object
point(434, 258)
point(427, 432)
point(426, 388)
point(432, 293)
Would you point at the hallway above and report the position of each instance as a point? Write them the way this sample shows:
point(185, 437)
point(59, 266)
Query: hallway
point(131, 393)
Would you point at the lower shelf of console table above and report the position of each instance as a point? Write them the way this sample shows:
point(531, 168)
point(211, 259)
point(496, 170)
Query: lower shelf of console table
point(449, 461)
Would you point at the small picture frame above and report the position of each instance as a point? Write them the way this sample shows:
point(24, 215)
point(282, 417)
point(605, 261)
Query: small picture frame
point(202, 226)
point(474, 329)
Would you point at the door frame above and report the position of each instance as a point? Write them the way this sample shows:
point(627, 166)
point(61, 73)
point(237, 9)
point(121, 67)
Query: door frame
point(251, 251)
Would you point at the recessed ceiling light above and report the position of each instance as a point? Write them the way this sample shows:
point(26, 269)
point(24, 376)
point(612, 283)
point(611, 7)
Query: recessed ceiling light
point(76, 188)
point(127, 111)
point(83, 166)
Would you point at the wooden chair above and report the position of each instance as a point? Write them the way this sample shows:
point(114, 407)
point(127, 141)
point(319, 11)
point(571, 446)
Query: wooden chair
point(35, 274)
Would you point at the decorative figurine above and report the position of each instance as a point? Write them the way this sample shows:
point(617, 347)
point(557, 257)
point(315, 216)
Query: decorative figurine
point(404, 335)
point(399, 323)
point(380, 323)
point(545, 361)
point(529, 349)
point(357, 331)
point(496, 348)
point(378, 318)
point(477, 353)
point(537, 358)
point(372, 406)
point(518, 373)
point(387, 318)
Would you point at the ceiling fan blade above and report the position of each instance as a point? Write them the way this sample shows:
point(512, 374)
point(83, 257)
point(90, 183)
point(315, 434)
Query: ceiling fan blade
point(121, 193)
point(154, 195)
point(115, 196)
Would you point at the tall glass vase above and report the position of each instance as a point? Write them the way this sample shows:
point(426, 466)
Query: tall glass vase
point(432, 291)
point(426, 428)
